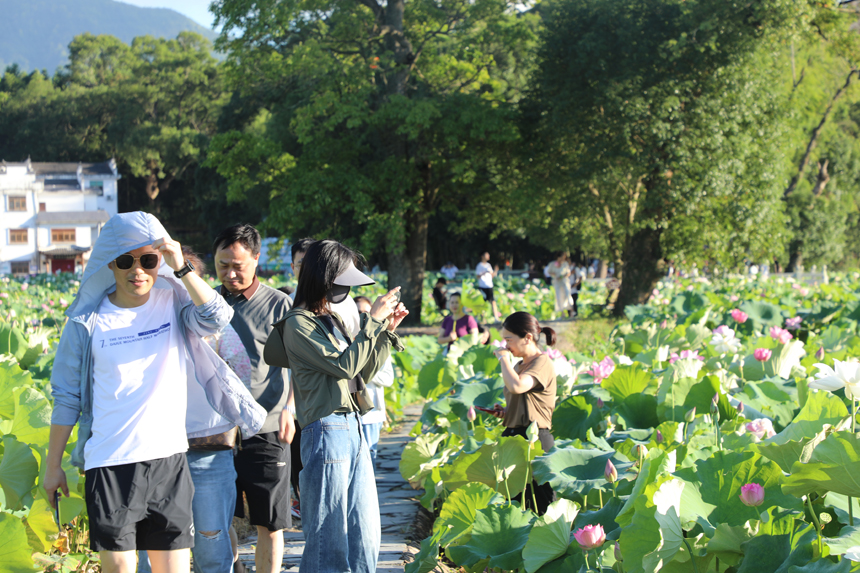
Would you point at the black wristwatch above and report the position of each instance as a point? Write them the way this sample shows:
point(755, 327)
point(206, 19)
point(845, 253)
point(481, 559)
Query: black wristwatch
point(187, 268)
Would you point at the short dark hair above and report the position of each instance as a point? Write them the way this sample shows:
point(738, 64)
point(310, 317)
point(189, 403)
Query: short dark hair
point(195, 260)
point(324, 261)
point(244, 234)
point(301, 246)
point(441, 281)
point(286, 289)
point(522, 323)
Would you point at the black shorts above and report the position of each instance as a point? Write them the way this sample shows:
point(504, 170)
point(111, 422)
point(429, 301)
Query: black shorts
point(263, 474)
point(488, 293)
point(144, 505)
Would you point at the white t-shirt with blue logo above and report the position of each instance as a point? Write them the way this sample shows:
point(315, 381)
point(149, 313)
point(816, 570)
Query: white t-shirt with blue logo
point(139, 383)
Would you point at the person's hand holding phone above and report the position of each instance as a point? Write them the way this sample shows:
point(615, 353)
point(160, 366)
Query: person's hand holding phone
point(385, 305)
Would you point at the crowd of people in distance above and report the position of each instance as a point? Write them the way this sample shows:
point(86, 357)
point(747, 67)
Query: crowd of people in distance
point(193, 403)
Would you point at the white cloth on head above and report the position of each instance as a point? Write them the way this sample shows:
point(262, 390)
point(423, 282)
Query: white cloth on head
point(139, 362)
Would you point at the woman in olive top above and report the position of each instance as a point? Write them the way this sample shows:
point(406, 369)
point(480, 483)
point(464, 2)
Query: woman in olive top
point(340, 510)
point(530, 389)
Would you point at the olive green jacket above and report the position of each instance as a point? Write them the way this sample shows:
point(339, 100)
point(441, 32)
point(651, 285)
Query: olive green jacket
point(321, 371)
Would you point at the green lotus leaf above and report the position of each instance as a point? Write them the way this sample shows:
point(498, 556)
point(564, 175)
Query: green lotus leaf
point(769, 552)
point(430, 378)
point(484, 393)
point(721, 477)
point(825, 566)
point(833, 466)
point(848, 537)
point(40, 521)
point(566, 564)
point(32, 421)
point(14, 550)
point(12, 341)
point(701, 394)
point(628, 380)
point(500, 533)
point(458, 512)
point(71, 507)
point(820, 408)
point(763, 313)
point(605, 516)
point(550, 535)
point(18, 471)
point(573, 418)
point(656, 463)
point(726, 543)
point(638, 411)
point(654, 536)
point(573, 472)
point(435, 410)
point(687, 303)
point(489, 465)
point(417, 453)
point(773, 398)
point(11, 378)
point(672, 395)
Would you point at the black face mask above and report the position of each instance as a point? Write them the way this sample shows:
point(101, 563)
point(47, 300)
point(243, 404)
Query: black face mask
point(337, 294)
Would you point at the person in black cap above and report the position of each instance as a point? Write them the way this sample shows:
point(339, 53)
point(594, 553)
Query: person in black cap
point(340, 510)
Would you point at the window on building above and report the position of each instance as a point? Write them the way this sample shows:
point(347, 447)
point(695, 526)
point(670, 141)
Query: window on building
point(20, 268)
point(18, 236)
point(17, 203)
point(62, 235)
point(42, 208)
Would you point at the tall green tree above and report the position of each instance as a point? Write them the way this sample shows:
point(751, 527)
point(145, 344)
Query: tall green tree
point(370, 116)
point(655, 125)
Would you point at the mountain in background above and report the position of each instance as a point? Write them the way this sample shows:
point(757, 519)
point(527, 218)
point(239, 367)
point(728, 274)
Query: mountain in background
point(35, 34)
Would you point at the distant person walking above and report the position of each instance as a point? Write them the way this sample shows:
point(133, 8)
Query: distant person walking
point(449, 271)
point(485, 274)
point(576, 279)
point(559, 271)
point(439, 295)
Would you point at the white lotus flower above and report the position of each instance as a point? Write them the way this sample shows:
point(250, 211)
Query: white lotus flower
point(843, 375)
point(724, 340)
point(662, 354)
point(624, 360)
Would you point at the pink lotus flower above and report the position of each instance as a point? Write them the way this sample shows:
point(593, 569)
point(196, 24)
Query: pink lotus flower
point(63, 303)
point(665, 301)
point(723, 330)
point(793, 323)
point(500, 344)
point(762, 354)
point(761, 428)
point(804, 291)
point(25, 286)
point(674, 357)
point(590, 536)
point(601, 370)
point(780, 334)
point(739, 316)
point(734, 298)
point(752, 495)
point(664, 324)
point(554, 354)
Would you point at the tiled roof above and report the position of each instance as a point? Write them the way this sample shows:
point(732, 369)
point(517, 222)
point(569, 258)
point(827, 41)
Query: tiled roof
point(73, 250)
point(45, 169)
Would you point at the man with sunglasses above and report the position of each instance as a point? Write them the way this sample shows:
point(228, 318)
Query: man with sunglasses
point(132, 344)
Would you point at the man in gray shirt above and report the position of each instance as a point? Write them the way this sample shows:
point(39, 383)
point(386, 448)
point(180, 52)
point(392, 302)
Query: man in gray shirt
point(263, 461)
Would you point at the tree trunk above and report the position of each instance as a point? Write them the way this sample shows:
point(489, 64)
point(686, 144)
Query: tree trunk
point(643, 267)
point(602, 269)
point(406, 265)
point(795, 257)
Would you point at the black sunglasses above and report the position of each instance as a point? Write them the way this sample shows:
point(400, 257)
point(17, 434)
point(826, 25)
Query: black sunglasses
point(125, 262)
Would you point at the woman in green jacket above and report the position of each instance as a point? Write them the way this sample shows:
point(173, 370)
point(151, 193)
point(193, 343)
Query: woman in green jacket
point(329, 369)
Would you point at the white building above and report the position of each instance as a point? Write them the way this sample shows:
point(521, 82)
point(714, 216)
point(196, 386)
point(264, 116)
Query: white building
point(52, 214)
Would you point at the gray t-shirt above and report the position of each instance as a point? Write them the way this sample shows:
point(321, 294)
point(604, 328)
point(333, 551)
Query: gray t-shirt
point(255, 311)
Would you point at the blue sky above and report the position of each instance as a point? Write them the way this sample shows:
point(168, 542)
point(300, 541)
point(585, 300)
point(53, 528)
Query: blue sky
point(197, 10)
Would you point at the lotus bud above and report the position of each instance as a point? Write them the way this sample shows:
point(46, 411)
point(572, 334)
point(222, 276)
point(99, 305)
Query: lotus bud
point(618, 556)
point(752, 494)
point(600, 403)
point(590, 537)
point(690, 415)
point(471, 415)
point(532, 432)
point(610, 473)
point(819, 354)
point(740, 408)
point(641, 450)
point(658, 437)
point(714, 403)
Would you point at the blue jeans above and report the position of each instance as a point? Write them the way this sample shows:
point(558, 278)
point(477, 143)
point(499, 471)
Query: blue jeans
point(340, 510)
point(213, 505)
point(371, 434)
